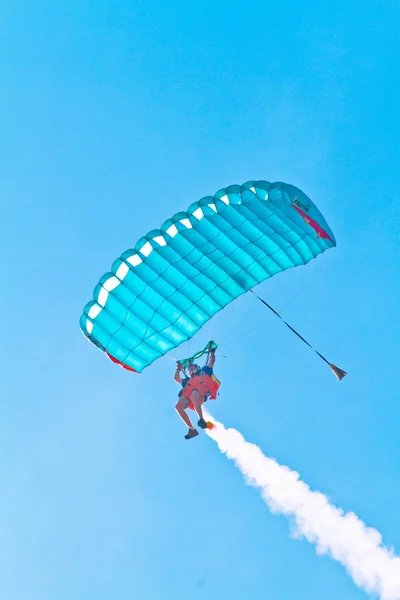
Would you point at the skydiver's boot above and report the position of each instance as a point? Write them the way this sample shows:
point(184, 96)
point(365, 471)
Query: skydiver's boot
point(191, 434)
point(202, 423)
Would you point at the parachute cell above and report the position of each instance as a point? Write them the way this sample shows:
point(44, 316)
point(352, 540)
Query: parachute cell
point(176, 278)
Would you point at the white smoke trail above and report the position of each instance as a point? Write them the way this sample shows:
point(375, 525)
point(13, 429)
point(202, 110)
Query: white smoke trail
point(343, 536)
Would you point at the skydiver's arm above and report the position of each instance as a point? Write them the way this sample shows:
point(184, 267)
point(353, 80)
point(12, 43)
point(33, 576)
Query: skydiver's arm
point(211, 359)
point(177, 376)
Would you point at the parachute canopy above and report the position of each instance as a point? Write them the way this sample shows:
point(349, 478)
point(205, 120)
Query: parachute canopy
point(160, 293)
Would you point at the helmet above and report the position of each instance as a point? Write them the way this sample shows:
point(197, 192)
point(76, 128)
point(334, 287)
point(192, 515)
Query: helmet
point(193, 369)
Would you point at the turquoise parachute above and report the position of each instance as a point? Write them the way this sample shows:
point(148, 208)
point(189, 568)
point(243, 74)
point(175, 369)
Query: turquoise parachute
point(176, 278)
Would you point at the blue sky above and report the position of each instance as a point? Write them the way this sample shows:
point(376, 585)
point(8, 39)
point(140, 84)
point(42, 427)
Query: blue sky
point(115, 115)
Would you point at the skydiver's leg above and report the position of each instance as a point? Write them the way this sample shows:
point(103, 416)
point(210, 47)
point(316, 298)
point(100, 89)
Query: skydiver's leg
point(180, 409)
point(180, 406)
point(196, 401)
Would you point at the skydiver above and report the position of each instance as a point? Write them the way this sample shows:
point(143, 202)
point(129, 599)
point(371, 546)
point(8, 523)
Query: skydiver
point(196, 389)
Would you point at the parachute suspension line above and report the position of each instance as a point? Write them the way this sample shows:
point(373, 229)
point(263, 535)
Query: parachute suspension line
point(171, 358)
point(261, 323)
point(339, 373)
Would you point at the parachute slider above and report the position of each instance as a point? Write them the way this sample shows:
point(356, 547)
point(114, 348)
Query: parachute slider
point(185, 362)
